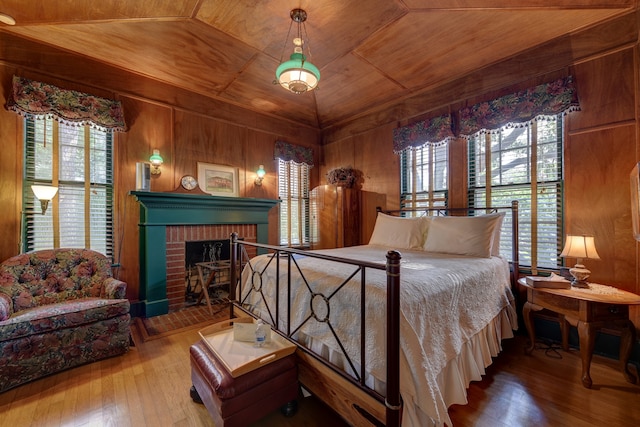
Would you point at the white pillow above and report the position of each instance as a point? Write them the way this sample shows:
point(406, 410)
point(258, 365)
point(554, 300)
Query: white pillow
point(463, 235)
point(398, 232)
point(497, 234)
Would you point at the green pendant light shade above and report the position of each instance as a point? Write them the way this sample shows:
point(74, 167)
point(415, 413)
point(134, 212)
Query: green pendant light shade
point(297, 74)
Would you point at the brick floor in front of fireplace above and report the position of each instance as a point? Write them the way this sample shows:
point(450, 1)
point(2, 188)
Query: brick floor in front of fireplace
point(185, 318)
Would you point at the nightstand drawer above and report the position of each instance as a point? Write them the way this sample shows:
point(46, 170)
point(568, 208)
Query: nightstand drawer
point(557, 303)
point(598, 312)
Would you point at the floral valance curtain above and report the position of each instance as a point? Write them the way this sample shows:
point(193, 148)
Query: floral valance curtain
point(289, 152)
point(433, 131)
point(520, 108)
point(36, 99)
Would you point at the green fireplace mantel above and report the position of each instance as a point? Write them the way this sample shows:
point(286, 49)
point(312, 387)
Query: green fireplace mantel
point(159, 210)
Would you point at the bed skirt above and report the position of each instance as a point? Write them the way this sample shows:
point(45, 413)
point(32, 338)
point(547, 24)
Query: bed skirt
point(475, 355)
point(452, 382)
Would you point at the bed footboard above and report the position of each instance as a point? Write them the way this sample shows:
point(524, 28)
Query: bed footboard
point(350, 397)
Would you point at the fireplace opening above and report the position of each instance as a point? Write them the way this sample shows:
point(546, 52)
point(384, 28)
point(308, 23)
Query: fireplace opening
point(212, 256)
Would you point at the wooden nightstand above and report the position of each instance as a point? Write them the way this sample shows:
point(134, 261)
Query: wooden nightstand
point(588, 310)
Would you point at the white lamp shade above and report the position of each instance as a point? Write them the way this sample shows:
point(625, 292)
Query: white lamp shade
point(581, 247)
point(44, 192)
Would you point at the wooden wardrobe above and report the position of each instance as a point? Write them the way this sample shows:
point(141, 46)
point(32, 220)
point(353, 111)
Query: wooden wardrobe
point(342, 216)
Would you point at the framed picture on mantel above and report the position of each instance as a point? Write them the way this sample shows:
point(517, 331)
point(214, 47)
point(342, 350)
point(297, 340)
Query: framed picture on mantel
point(218, 180)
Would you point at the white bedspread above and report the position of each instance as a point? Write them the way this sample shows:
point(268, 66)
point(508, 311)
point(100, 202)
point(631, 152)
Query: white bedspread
point(445, 301)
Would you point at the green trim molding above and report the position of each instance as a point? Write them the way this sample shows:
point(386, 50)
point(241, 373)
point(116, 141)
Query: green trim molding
point(159, 210)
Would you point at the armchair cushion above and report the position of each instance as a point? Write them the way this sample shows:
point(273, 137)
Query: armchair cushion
point(70, 314)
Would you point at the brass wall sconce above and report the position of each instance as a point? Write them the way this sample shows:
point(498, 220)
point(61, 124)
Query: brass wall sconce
point(44, 193)
point(156, 161)
point(260, 173)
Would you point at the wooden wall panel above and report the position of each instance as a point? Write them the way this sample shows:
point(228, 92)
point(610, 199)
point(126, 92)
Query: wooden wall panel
point(369, 203)
point(600, 152)
point(336, 155)
point(259, 151)
point(149, 128)
point(606, 91)
point(372, 154)
point(10, 172)
point(203, 139)
point(598, 203)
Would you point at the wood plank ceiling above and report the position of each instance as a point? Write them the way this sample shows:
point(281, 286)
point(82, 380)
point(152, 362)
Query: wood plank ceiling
point(370, 52)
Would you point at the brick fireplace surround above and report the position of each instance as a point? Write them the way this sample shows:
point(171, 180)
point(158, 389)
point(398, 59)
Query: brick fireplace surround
point(168, 220)
point(177, 236)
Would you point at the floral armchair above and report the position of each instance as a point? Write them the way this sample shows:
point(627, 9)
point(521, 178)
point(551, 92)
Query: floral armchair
point(59, 308)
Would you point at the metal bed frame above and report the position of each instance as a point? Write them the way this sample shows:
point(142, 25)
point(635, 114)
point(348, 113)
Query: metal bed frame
point(348, 395)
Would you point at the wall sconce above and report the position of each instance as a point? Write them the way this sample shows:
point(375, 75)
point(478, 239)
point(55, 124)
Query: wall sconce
point(156, 161)
point(44, 193)
point(580, 247)
point(260, 173)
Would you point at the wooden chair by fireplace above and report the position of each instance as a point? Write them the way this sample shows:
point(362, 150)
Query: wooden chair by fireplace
point(212, 276)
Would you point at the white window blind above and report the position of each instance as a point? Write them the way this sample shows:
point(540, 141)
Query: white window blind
point(424, 176)
point(524, 164)
point(78, 160)
point(293, 190)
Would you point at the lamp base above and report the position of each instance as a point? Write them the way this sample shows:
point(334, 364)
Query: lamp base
point(580, 275)
point(581, 284)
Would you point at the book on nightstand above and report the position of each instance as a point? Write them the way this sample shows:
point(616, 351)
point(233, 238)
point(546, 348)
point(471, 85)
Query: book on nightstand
point(552, 281)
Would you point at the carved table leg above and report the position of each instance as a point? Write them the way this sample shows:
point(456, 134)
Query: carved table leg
point(587, 342)
point(527, 313)
point(627, 338)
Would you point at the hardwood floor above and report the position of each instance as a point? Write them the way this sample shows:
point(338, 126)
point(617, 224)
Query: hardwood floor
point(149, 386)
point(544, 390)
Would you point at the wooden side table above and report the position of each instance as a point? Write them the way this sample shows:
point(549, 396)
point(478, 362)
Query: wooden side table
point(588, 310)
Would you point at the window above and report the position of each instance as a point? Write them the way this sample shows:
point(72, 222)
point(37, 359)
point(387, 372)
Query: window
point(78, 160)
point(424, 176)
point(293, 190)
point(525, 164)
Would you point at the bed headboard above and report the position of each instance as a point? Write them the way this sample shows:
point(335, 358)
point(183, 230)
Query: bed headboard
point(511, 214)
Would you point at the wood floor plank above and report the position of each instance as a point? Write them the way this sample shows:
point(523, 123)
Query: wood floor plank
point(149, 386)
point(539, 390)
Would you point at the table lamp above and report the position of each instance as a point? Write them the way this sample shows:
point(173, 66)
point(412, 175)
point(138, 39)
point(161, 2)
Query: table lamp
point(579, 247)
